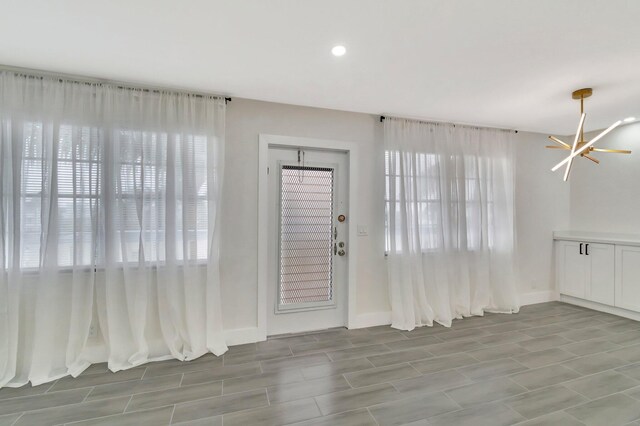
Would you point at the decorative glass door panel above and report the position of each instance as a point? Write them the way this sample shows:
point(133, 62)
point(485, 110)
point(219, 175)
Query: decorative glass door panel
point(306, 237)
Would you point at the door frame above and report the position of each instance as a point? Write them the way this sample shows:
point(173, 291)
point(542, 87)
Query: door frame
point(266, 141)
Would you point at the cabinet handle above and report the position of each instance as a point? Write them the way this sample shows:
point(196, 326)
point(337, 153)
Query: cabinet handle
point(586, 249)
point(580, 248)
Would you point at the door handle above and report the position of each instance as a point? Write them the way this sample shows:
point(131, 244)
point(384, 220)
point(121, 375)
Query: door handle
point(586, 249)
point(580, 248)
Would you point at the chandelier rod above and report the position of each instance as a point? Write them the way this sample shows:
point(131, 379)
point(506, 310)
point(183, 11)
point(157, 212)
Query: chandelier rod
point(582, 112)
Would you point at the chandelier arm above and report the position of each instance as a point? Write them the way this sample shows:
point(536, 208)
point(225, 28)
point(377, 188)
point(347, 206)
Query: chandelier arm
point(586, 146)
point(582, 112)
point(614, 151)
point(591, 158)
point(559, 142)
point(575, 142)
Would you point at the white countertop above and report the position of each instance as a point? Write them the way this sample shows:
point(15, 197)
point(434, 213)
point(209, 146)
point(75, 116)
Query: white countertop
point(598, 237)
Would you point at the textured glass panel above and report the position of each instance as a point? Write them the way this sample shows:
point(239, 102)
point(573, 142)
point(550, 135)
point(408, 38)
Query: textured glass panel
point(306, 212)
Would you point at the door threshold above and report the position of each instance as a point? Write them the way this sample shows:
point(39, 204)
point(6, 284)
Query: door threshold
point(305, 333)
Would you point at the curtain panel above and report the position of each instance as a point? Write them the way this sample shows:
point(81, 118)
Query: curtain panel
point(450, 222)
point(109, 228)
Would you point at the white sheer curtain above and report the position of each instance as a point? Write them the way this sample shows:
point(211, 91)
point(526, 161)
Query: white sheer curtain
point(450, 225)
point(110, 201)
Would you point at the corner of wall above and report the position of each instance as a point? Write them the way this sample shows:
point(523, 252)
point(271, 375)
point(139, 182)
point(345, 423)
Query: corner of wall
point(240, 336)
point(534, 297)
point(373, 319)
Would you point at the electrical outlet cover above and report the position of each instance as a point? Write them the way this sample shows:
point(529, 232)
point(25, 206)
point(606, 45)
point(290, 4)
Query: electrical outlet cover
point(93, 331)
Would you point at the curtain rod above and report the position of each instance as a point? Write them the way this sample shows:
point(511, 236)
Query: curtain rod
point(72, 78)
point(382, 118)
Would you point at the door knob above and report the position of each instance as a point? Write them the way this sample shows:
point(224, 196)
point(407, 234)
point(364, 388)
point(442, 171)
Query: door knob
point(341, 252)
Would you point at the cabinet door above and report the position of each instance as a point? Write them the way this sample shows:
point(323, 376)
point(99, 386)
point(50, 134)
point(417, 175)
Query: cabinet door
point(600, 278)
point(628, 278)
point(572, 271)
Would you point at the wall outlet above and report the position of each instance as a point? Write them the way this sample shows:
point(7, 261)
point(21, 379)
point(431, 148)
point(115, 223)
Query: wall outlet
point(363, 230)
point(93, 331)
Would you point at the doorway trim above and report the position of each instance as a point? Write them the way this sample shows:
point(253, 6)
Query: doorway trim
point(266, 141)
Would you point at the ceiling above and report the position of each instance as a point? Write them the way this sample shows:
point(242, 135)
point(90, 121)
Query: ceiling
point(503, 63)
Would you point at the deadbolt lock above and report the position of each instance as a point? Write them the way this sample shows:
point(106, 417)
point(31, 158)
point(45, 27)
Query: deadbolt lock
point(340, 244)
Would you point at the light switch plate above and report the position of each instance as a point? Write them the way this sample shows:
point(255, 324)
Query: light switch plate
point(363, 230)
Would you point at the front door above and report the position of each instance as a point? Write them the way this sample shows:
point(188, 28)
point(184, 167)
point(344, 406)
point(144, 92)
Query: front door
point(308, 228)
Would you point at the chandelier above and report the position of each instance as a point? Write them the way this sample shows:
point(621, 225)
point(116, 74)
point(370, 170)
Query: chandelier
point(580, 146)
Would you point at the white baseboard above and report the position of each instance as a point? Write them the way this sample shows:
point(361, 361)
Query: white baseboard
point(600, 307)
point(384, 318)
point(373, 319)
point(538, 297)
point(240, 336)
point(250, 335)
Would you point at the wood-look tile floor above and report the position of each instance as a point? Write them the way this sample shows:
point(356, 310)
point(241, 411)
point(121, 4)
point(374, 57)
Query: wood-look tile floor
point(551, 364)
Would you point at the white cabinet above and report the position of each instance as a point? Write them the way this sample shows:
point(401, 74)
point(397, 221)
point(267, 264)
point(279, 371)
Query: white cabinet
point(572, 273)
point(601, 267)
point(599, 271)
point(586, 270)
point(627, 281)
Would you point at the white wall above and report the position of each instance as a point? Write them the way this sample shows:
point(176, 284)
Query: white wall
point(606, 197)
point(542, 204)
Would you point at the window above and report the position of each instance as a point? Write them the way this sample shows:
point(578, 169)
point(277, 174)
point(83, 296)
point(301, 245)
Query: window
point(144, 175)
point(424, 182)
point(431, 191)
point(132, 207)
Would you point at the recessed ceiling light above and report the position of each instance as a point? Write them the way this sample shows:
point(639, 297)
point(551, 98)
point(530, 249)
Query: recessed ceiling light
point(629, 119)
point(338, 50)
